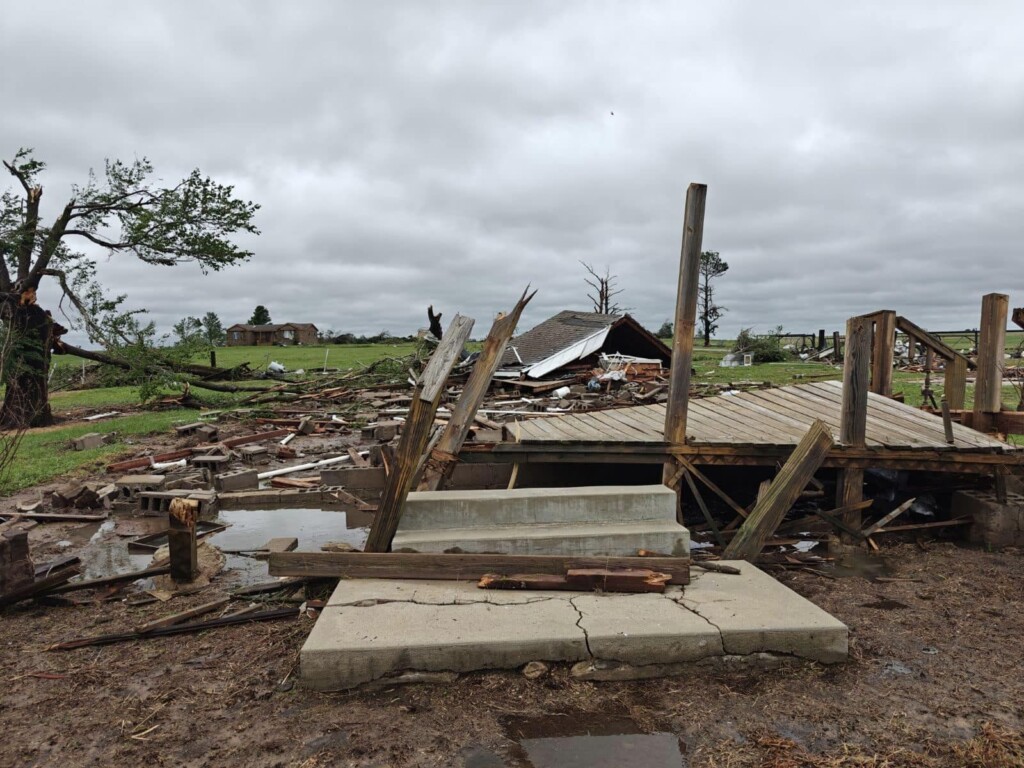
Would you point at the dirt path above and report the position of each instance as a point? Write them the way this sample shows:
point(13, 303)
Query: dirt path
point(935, 678)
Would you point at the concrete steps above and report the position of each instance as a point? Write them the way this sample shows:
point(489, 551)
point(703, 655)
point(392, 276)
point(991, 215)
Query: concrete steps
point(586, 538)
point(593, 520)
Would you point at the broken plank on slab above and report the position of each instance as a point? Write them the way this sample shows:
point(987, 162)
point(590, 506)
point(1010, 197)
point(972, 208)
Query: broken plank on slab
point(181, 616)
point(456, 567)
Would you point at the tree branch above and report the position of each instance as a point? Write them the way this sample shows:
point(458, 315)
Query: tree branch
point(86, 315)
point(99, 241)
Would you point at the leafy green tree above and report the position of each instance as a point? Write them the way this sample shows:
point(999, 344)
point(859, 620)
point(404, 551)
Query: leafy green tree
point(260, 316)
point(187, 329)
point(666, 330)
point(123, 210)
point(711, 267)
point(213, 329)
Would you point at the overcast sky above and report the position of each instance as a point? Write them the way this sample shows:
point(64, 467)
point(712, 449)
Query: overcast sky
point(858, 156)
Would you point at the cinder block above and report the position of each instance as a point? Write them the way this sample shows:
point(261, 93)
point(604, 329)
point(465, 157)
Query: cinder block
point(239, 480)
point(382, 431)
point(306, 425)
point(207, 432)
point(188, 429)
point(254, 454)
point(91, 440)
point(995, 524)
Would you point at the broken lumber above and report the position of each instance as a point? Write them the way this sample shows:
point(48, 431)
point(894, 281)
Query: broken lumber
point(439, 468)
point(805, 460)
point(38, 587)
point(181, 539)
point(416, 434)
point(147, 461)
point(177, 629)
point(631, 580)
point(456, 567)
point(106, 581)
point(177, 618)
point(889, 517)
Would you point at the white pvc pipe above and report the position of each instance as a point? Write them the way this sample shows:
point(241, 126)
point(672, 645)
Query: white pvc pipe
point(310, 465)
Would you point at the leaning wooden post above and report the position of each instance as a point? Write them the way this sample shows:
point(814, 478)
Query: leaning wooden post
point(882, 352)
point(181, 539)
point(853, 418)
point(443, 457)
point(796, 473)
point(988, 387)
point(416, 434)
point(685, 320)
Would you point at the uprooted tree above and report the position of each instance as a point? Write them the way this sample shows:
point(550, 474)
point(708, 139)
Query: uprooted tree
point(122, 211)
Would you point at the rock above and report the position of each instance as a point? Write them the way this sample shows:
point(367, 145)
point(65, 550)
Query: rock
point(535, 670)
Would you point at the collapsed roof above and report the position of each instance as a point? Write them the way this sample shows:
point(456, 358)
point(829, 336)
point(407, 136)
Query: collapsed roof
point(573, 336)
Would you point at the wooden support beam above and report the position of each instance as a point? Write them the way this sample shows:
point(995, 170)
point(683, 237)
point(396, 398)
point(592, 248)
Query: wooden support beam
point(837, 353)
point(181, 539)
point(452, 567)
point(708, 518)
point(954, 384)
point(947, 422)
point(889, 517)
point(416, 434)
point(685, 319)
point(784, 491)
point(853, 418)
point(928, 340)
point(988, 387)
point(882, 352)
point(438, 470)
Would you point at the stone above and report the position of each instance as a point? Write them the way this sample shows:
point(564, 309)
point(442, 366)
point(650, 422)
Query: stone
point(87, 441)
point(535, 670)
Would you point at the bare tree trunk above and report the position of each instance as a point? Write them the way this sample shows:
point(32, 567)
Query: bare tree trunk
point(27, 400)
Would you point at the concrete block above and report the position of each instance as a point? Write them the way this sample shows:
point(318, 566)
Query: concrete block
point(306, 425)
point(90, 440)
point(238, 480)
point(188, 429)
point(382, 431)
point(214, 462)
point(254, 454)
point(207, 432)
point(131, 485)
point(995, 524)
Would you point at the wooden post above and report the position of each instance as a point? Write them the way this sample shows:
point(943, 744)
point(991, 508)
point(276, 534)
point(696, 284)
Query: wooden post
point(785, 489)
point(181, 539)
point(882, 349)
point(947, 422)
point(954, 382)
point(837, 353)
point(213, 358)
point(416, 433)
point(988, 387)
point(854, 415)
point(443, 458)
point(685, 319)
point(821, 339)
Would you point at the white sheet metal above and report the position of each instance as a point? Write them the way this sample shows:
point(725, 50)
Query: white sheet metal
point(576, 351)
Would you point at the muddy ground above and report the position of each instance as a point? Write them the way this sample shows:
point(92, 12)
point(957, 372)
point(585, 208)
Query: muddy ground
point(935, 678)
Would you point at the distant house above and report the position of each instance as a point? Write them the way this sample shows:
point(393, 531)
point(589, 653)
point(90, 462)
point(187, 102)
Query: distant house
point(240, 335)
point(577, 339)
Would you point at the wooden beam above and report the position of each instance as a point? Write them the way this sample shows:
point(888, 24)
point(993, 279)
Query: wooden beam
point(928, 340)
point(416, 434)
point(452, 567)
point(685, 319)
point(181, 539)
point(853, 417)
point(784, 491)
point(954, 382)
point(439, 467)
point(988, 387)
point(882, 352)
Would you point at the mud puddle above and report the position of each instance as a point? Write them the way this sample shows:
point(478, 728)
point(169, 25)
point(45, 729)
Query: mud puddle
point(580, 740)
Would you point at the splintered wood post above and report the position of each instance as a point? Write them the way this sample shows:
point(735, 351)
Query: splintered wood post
point(988, 387)
point(947, 422)
point(882, 352)
point(416, 434)
point(854, 415)
point(181, 539)
point(442, 461)
point(954, 382)
point(785, 489)
point(685, 320)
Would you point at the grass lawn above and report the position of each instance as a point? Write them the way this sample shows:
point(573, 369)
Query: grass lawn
point(45, 454)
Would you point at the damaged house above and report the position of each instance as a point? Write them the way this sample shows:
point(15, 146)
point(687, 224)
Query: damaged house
point(573, 341)
point(241, 335)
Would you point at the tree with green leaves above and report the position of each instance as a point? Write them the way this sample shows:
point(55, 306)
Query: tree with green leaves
point(260, 316)
point(124, 211)
point(188, 329)
point(213, 329)
point(711, 267)
point(666, 330)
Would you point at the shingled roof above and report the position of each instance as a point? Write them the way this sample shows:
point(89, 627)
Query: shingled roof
point(574, 335)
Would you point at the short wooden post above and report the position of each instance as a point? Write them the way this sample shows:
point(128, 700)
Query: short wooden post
point(988, 387)
point(882, 352)
point(947, 422)
point(685, 320)
point(821, 339)
point(837, 353)
point(954, 382)
point(854, 415)
point(213, 358)
point(181, 539)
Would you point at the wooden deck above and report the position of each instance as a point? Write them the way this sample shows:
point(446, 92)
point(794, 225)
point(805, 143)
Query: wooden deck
point(756, 427)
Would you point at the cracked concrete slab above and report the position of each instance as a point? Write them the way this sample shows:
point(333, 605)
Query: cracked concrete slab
point(373, 629)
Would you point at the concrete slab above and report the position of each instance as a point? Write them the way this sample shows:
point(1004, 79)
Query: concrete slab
point(373, 629)
point(755, 613)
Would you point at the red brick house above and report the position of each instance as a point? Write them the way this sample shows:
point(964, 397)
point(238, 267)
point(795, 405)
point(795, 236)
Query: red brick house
point(240, 335)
